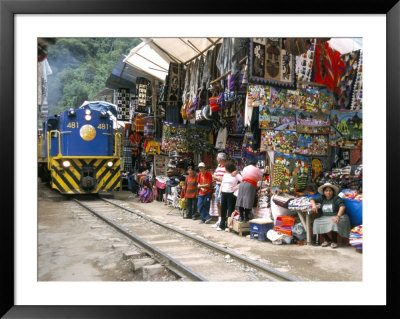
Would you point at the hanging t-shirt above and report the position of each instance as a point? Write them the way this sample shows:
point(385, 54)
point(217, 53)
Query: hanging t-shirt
point(221, 138)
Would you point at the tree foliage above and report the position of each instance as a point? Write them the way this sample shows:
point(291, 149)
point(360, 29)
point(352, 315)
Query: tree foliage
point(81, 67)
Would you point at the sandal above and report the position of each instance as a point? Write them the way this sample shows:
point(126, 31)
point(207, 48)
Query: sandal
point(334, 245)
point(326, 244)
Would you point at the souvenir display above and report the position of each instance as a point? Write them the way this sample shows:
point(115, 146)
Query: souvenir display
point(174, 138)
point(233, 146)
point(279, 141)
point(174, 83)
point(295, 99)
point(284, 224)
point(258, 95)
point(304, 64)
point(278, 97)
point(328, 65)
point(290, 172)
point(318, 166)
point(123, 105)
point(300, 203)
point(347, 79)
point(356, 237)
point(312, 100)
point(312, 144)
point(312, 123)
point(277, 119)
point(271, 64)
point(326, 101)
point(197, 139)
point(348, 129)
point(356, 101)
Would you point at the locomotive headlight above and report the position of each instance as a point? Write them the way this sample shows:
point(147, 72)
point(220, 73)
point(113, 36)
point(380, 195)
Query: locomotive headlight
point(71, 112)
point(88, 117)
point(88, 112)
point(110, 164)
point(66, 164)
point(87, 132)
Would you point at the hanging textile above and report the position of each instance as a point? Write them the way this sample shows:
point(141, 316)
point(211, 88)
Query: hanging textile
point(224, 58)
point(348, 129)
point(277, 119)
point(327, 65)
point(270, 64)
point(304, 64)
point(356, 101)
point(313, 123)
point(347, 79)
point(174, 83)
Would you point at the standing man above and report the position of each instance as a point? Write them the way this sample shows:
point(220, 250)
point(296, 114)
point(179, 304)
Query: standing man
point(204, 180)
point(218, 175)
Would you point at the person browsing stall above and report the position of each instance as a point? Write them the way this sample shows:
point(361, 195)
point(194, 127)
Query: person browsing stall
point(229, 184)
point(333, 217)
point(190, 192)
point(217, 177)
point(204, 180)
point(248, 190)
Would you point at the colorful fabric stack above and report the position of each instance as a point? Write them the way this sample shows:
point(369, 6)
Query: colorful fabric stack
point(356, 236)
point(284, 224)
point(300, 203)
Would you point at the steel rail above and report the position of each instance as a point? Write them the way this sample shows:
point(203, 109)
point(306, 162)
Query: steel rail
point(154, 252)
point(237, 256)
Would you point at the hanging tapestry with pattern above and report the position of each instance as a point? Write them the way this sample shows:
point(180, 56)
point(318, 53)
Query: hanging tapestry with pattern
point(278, 97)
point(348, 129)
point(270, 64)
point(277, 119)
point(312, 123)
point(347, 79)
point(279, 141)
point(304, 64)
point(174, 138)
point(356, 101)
point(326, 101)
point(258, 95)
point(296, 99)
point(290, 172)
point(312, 144)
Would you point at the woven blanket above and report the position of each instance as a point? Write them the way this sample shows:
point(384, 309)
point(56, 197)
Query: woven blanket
point(270, 64)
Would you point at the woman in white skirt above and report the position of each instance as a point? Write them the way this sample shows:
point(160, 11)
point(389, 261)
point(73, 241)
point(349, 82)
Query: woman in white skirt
point(333, 218)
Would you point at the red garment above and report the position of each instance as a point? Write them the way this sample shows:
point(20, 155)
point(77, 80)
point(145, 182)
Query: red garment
point(328, 66)
point(250, 182)
point(204, 179)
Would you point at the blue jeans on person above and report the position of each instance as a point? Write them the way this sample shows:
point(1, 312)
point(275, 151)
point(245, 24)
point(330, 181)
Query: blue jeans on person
point(217, 187)
point(203, 206)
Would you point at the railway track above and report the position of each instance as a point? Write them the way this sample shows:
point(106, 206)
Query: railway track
point(188, 256)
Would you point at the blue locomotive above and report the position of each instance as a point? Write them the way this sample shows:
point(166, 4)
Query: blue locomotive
point(79, 152)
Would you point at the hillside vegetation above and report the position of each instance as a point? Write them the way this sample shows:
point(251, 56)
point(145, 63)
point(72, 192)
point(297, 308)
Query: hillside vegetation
point(81, 67)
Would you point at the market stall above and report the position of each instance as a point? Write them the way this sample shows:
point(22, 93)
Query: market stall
point(292, 104)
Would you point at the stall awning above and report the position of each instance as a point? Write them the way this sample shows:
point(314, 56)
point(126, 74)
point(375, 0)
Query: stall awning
point(154, 55)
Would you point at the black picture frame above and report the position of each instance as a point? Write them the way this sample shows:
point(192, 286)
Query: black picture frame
point(8, 10)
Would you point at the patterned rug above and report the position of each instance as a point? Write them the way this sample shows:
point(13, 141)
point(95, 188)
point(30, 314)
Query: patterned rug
point(270, 64)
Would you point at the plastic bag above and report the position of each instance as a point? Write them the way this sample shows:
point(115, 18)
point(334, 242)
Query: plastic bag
point(299, 232)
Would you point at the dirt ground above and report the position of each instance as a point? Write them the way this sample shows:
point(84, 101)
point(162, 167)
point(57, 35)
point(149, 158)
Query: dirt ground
point(73, 246)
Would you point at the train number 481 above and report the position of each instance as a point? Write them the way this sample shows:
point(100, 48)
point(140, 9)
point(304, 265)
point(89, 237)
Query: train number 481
point(102, 126)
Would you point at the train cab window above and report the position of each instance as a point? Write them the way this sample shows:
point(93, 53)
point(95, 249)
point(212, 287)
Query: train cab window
point(52, 124)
